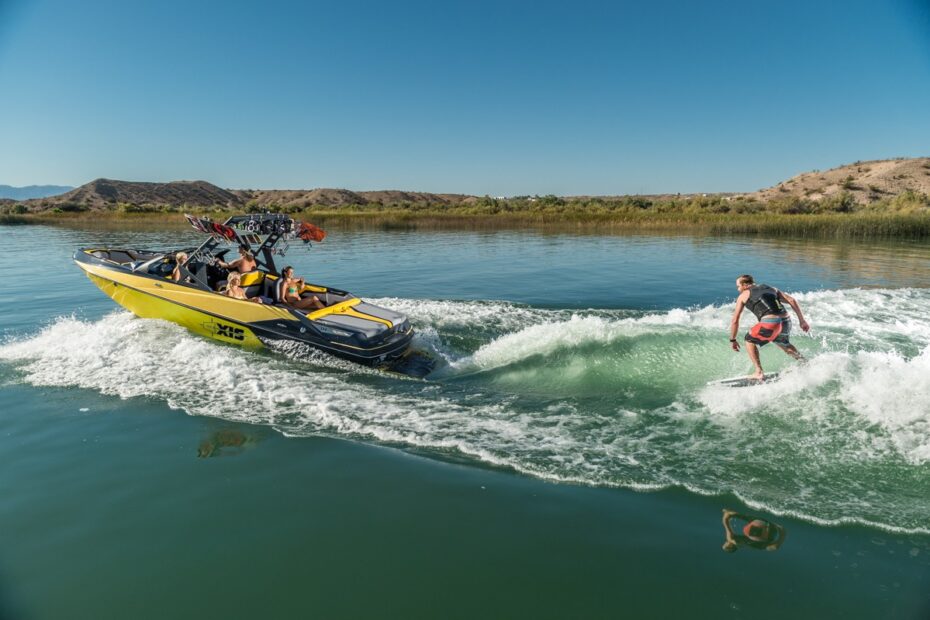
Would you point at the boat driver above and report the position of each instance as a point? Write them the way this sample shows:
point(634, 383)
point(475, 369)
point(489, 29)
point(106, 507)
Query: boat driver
point(774, 323)
point(244, 264)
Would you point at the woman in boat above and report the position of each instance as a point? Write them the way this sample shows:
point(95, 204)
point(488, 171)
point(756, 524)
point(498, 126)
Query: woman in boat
point(179, 258)
point(244, 264)
point(289, 292)
point(234, 289)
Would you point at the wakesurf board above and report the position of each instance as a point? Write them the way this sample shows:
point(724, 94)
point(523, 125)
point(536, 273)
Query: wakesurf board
point(745, 381)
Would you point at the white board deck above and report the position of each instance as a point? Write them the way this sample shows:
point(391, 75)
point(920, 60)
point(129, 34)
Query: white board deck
point(744, 381)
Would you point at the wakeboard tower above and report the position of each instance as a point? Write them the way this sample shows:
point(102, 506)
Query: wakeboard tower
point(347, 327)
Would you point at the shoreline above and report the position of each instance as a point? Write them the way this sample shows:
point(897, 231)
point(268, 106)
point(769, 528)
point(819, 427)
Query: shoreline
point(861, 225)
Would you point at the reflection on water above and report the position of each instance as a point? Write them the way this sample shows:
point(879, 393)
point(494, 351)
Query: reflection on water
point(743, 530)
point(577, 268)
point(225, 442)
point(851, 263)
point(895, 264)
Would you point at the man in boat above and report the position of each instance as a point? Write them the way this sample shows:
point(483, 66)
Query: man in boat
point(774, 324)
point(244, 264)
point(756, 533)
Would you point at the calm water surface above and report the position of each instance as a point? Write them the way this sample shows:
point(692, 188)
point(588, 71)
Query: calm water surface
point(148, 473)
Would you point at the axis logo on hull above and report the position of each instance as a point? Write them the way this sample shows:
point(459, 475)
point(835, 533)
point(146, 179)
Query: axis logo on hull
point(224, 331)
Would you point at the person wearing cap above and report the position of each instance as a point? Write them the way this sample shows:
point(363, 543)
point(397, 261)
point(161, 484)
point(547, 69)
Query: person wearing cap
point(774, 323)
point(756, 533)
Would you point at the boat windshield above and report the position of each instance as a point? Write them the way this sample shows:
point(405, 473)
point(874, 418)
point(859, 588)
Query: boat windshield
point(146, 267)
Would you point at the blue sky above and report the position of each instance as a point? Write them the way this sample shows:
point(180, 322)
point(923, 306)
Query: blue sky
point(498, 98)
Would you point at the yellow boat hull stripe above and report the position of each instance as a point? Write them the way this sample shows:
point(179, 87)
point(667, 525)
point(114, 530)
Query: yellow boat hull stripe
point(150, 306)
point(237, 310)
point(333, 309)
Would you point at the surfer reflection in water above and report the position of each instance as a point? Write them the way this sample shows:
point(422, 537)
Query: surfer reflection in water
point(223, 442)
point(774, 323)
point(756, 533)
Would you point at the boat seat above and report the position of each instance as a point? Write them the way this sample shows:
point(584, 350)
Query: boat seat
point(252, 283)
point(271, 289)
point(252, 278)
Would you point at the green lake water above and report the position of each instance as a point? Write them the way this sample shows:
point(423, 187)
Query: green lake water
point(567, 458)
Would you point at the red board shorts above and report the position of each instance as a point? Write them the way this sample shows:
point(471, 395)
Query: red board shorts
point(770, 329)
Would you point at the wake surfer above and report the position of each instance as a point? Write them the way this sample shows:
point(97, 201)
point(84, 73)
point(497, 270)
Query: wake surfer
point(774, 323)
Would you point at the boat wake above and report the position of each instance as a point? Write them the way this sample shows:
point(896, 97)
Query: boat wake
point(597, 397)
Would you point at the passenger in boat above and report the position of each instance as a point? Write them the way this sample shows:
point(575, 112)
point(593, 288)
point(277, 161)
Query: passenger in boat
point(179, 258)
point(289, 289)
point(244, 264)
point(234, 289)
point(756, 533)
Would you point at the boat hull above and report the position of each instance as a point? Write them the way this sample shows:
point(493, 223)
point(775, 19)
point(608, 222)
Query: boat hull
point(148, 306)
point(229, 320)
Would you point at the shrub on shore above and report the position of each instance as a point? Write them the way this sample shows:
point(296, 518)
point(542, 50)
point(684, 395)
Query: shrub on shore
point(839, 215)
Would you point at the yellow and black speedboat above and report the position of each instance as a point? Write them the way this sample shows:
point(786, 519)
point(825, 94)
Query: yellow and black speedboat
point(348, 327)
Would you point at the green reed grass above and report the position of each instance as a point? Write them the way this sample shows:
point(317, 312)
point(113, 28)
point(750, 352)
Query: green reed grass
point(906, 215)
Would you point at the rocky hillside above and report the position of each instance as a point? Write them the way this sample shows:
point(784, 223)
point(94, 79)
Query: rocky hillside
point(867, 181)
point(342, 197)
point(105, 194)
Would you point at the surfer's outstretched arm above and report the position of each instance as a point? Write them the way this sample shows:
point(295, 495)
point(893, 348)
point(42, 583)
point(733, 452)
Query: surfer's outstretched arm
point(734, 322)
point(791, 301)
point(729, 545)
point(727, 515)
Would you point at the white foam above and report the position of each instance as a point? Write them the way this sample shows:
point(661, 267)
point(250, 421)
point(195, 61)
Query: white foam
point(500, 315)
point(893, 392)
point(883, 388)
point(866, 385)
point(546, 338)
point(875, 319)
point(793, 382)
point(129, 357)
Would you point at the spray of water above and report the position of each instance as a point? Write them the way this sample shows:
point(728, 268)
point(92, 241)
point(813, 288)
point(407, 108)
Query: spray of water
point(599, 397)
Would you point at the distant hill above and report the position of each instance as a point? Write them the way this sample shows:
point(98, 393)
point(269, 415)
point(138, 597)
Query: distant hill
point(109, 194)
point(32, 191)
point(866, 181)
point(344, 197)
point(104, 194)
